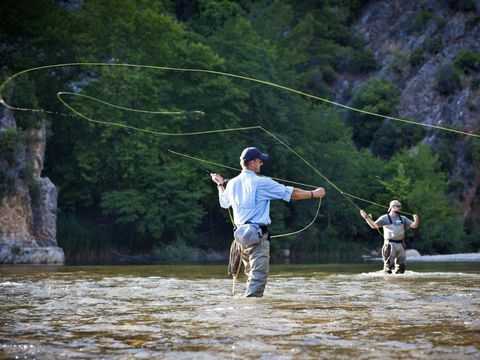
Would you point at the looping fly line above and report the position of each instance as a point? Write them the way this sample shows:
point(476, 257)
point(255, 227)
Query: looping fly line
point(213, 72)
point(61, 95)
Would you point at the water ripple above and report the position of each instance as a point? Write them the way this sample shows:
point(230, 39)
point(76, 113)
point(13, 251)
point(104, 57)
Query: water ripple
point(183, 313)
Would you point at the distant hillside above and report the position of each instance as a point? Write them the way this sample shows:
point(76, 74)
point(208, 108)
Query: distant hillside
point(431, 51)
point(121, 192)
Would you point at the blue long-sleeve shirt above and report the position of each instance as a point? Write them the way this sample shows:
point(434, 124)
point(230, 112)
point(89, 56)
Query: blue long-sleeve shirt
point(249, 195)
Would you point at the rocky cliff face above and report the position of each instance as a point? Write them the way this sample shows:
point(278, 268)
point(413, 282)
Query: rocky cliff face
point(394, 30)
point(28, 202)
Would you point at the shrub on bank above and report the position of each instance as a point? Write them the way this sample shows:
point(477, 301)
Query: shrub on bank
point(447, 81)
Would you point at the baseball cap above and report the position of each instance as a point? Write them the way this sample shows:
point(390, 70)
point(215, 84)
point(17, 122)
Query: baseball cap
point(252, 153)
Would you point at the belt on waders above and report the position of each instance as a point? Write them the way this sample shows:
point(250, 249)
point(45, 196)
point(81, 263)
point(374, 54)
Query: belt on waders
point(398, 242)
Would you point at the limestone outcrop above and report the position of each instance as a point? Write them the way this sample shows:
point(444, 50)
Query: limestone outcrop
point(28, 202)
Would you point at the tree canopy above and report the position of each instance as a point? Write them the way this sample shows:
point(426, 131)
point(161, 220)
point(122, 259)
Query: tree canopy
point(146, 197)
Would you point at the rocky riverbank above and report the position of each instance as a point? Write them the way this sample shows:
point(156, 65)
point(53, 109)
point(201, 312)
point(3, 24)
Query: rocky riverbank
point(28, 202)
point(474, 257)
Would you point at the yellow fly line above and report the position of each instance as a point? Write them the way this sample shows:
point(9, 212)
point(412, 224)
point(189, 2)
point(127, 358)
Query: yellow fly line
point(214, 72)
point(61, 95)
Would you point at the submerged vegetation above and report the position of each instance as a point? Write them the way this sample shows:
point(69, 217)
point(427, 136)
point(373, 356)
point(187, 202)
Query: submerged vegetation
point(123, 189)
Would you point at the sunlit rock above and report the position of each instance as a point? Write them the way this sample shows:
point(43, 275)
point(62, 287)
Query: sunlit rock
point(412, 253)
point(284, 253)
point(28, 202)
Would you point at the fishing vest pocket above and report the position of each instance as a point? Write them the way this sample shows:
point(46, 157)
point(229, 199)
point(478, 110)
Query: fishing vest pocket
point(248, 234)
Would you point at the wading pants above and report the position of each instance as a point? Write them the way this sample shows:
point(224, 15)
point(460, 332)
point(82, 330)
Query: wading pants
point(256, 259)
point(394, 257)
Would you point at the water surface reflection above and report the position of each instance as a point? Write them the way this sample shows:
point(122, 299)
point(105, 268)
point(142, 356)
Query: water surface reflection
point(309, 311)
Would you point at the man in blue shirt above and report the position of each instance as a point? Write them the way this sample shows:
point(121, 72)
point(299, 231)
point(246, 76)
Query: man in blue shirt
point(249, 195)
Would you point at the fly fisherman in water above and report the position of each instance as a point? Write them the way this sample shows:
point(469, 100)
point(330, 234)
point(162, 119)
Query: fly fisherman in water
point(249, 195)
point(393, 250)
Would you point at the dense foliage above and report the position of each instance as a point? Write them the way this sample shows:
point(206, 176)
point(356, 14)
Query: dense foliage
point(127, 186)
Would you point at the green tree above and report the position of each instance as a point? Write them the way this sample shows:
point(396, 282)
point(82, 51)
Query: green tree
point(376, 96)
point(447, 81)
point(205, 17)
point(117, 167)
point(23, 96)
point(161, 208)
point(137, 194)
point(467, 61)
point(440, 230)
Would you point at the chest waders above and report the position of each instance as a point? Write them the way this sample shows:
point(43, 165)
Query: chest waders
point(387, 250)
point(237, 252)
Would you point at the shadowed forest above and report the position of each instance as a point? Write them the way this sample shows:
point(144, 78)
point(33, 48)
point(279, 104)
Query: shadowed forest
point(122, 190)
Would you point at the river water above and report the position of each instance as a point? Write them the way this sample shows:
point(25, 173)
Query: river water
point(187, 312)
